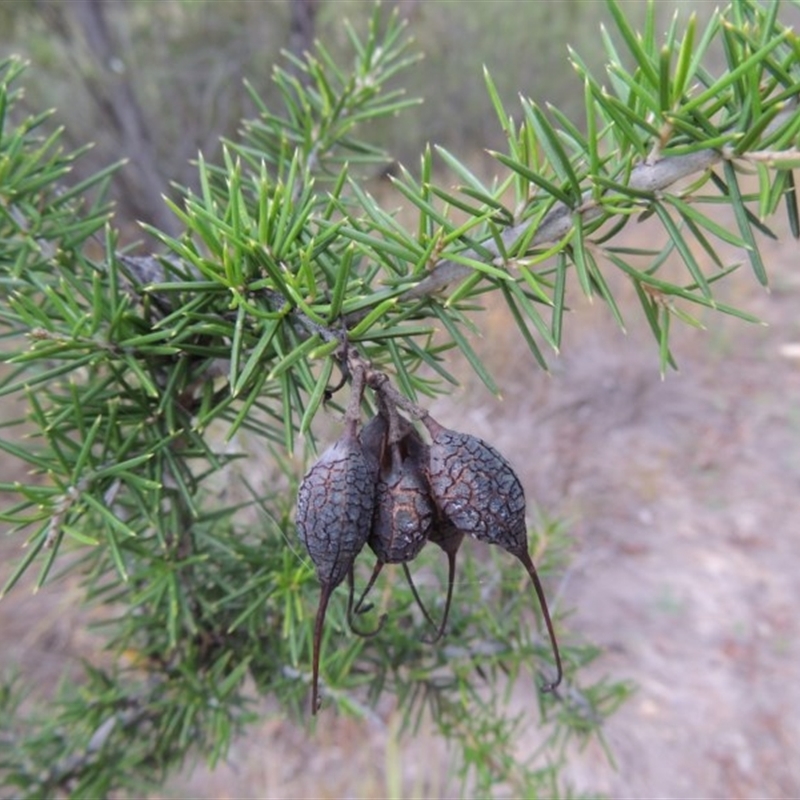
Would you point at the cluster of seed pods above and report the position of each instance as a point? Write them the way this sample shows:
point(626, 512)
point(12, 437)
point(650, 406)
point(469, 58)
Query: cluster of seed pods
point(383, 486)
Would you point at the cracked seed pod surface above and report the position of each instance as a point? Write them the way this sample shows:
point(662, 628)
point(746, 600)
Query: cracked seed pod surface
point(478, 493)
point(404, 509)
point(475, 488)
point(335, 505)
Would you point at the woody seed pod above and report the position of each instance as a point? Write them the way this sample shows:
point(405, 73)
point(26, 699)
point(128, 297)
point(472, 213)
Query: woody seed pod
point(335, 505)
point(404, 511)
point(475, 488)
point(478, 493)
point(403, 507)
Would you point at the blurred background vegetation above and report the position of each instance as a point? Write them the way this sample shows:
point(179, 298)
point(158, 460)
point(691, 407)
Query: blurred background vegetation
point(157, 82)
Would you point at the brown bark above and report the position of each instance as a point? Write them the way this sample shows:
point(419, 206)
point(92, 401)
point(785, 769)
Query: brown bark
point(111, 87)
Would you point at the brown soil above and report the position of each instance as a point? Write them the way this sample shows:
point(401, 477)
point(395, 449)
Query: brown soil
point(683, 496)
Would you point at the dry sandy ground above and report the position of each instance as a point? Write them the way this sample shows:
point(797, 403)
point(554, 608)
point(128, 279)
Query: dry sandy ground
point(683, 496)
point(686, 495)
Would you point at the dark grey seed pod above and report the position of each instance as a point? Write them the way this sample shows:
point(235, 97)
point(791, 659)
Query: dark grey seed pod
point(404, 510)
point(405, 513)
point(475, 488)
point(478, 493)
point(335, 505)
